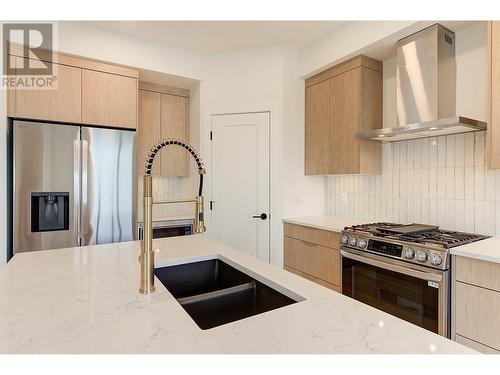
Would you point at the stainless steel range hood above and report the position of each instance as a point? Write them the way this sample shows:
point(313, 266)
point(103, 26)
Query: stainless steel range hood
point(426, 89)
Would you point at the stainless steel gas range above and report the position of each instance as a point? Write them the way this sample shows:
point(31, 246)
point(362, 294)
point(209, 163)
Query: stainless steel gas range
point(403, 270)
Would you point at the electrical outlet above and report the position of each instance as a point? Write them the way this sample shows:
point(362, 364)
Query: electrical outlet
point(296, 200)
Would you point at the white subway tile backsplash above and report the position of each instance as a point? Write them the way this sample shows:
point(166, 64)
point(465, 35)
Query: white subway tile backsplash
point(439, 181)
point(489, 218)
point(478, 183)
point(460, 215)
point(441, 149)
point(433, 158)
point(479, 216)
point(479, 144)
point(433, 211)
point(450, 214)
point(489, 185)
point(450, 183)
point(469, 215)
point(410, 154)
point(469, 182)
point(459, 183)
point(425, 152)
point(469, 149)
point(450, 151)
point(417, 161)
point(460, 150)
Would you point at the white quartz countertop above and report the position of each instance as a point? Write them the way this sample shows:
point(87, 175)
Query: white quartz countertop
point(325, 222)
point(86, 300)
point(487, 250)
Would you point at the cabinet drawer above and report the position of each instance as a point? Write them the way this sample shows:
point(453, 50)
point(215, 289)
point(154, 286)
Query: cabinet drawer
point(313, 279)
point(313, 235)
point(318, 261)
point(478, 272)
point(475, 345)
point(477, 314)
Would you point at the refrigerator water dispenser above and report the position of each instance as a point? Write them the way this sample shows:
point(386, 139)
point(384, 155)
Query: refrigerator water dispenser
point(49, 211)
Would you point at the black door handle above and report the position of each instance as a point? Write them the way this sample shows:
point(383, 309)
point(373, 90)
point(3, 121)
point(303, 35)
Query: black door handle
point(262, 216)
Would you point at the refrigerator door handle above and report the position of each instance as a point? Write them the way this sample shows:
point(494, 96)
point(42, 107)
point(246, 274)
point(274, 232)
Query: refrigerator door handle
point(77, 190)
point(84, 198)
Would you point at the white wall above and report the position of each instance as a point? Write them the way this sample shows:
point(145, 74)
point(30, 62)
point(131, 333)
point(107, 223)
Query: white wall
point(440, 180)
point(350, 39)
point(267, 79)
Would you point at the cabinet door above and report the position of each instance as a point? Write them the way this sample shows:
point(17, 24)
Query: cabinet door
point(317, 128)
point(493, 143)
point(109, 99)
point(60, 104)
point(344, 120)
point(148, 129)
point(477, 314)
point(174, 123)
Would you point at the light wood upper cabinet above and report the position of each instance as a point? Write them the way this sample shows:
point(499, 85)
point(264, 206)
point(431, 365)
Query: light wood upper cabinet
point(163, 115)
point(149, 129)
point(174, 123)
point(317, 128)
point(109, 99)
point(493, 130)
point(59, 104)
point(341, 102)
point(88, 91)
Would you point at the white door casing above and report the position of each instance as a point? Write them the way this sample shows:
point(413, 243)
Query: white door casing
point(241, 182)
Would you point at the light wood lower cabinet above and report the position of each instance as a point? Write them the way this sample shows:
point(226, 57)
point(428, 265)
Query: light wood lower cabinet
point(109, 99)
point(476, 304)
point(313, 254)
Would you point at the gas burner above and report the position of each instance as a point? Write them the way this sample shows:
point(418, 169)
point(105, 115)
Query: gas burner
point(416, 233)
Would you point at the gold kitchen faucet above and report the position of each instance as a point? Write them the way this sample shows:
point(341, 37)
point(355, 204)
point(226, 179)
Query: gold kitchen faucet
point(147, 255)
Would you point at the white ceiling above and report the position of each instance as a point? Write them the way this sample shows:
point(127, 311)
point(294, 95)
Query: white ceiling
point(223, 36)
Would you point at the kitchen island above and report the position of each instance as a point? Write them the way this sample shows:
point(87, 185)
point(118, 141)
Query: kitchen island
point(86, 300)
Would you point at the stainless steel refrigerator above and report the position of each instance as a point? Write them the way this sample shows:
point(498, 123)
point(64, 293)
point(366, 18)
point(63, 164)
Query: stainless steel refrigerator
point(72, 186)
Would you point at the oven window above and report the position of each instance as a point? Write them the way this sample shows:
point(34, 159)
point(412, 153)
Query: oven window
point(406, 297)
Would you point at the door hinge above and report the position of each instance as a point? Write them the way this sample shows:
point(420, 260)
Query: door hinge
point(211, 135)
point(211, 205)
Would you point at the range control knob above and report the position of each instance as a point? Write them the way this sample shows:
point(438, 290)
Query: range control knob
point(409, 253)
point(436, 259)
point(344, 240)
point(422, 256)
point(362, 243)
point(353, 241)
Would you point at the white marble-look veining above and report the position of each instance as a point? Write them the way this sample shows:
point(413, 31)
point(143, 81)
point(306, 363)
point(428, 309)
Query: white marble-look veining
point(86, 300)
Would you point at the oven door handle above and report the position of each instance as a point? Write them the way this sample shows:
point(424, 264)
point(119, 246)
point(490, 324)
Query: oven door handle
point(393, 267)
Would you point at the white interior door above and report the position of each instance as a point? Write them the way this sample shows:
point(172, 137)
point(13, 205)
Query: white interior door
point(240, 182)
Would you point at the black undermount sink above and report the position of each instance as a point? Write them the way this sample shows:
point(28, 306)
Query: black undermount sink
point(214, 293)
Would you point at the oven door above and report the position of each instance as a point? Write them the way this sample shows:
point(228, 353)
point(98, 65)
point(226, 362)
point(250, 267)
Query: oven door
point(414, 293)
